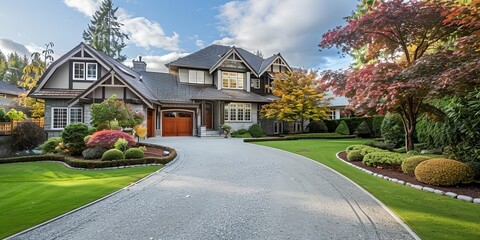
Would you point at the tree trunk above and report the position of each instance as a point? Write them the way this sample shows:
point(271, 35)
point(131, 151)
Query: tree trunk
point(301, 124)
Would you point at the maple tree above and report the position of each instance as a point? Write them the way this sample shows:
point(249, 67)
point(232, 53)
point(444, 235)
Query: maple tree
point(299, 99)
point(392, 35)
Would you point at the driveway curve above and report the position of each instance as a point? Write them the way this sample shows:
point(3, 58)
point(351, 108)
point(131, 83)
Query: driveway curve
point(226, 189)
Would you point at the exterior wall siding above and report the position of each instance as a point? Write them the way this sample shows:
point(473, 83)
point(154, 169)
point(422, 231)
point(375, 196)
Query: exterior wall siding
point(59, 78)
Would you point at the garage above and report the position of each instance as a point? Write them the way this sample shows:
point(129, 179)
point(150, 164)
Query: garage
point(177, 123)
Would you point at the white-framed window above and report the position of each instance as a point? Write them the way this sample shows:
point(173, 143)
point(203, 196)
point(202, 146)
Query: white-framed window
point(255, 83)
point(85, 71)
point(333, 114)
point(62, 116)
point(195, 76)
point(232, 80)
point(277, 127)
point(238, 112)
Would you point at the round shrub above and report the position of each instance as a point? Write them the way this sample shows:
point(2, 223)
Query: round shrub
point(443, 172)
point(241, 131)
point(93, 153)
point(355, 147)
point(409, 165)
point(27, 135)
point(383, 158)
point(317, 127)
point(255, 130)
point(107, 139)
point(475, 166)
point(113, 154)
point(121, 144)
point(363, 130)
point(73, 135)
point(342, 128)
point(50, 145)
point(134, 153)
point(354, 155)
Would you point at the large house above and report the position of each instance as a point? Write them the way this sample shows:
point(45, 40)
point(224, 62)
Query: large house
point(8, 93)
point(214, 86)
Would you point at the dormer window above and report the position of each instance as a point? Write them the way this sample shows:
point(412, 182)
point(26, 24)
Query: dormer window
point(232, 80)
point(85, 71)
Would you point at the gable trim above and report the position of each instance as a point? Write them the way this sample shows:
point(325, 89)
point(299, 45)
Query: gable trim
point(233, 50)
point(271, 64)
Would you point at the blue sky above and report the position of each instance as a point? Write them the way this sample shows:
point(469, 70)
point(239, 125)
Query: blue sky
point(162, 31)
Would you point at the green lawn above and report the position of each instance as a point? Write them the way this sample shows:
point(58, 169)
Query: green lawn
point(31, 193)
point(431, 216)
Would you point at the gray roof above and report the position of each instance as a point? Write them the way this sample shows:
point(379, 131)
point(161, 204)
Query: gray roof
point(7, 88)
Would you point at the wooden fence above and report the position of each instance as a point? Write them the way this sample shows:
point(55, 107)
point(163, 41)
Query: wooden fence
point(7, 127)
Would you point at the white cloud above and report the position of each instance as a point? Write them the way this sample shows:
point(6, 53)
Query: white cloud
point(142, 31)
point(157, 63)
point(87, 7)
point(200, 43)
point(292, 27)
point(8, 46)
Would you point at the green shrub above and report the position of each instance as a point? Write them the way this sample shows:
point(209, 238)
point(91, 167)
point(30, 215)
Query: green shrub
point(255, 130)
point(354, 155)
point(384, 158)
point(342, 129)
point(93, 153)
point(331, 125)
point(443, 172)
point(409, 165)
point(27, 135)
point(475, 166)
point(317, 127)
point(354, 147)
point(91, 130)
point(113, 154)
point(241, 131)
point(377, 126)
point(392, 130)
point(367, 149)
point(134, 153)
point(73, 137)
point(121, 144)
point(86, 138)
point(50, 145)
point(363, 130)
point(380, 144)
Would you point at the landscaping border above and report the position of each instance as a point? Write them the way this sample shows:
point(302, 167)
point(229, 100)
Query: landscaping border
point(415, 186)
point(97, 164)
point(294, 137)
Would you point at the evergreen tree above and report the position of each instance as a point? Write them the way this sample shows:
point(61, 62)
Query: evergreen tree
point(15, 65)
point(104, 32)
point(3, 66)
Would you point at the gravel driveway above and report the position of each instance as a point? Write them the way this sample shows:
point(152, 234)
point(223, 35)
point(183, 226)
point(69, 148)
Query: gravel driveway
point(226, 189)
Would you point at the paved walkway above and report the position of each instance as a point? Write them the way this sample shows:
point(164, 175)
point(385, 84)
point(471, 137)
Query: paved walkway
point(226, 189)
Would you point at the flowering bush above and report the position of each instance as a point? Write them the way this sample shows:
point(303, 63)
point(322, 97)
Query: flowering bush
point(107, 139)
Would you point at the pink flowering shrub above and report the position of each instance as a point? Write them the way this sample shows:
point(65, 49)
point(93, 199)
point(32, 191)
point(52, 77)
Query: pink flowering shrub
point(107, 138)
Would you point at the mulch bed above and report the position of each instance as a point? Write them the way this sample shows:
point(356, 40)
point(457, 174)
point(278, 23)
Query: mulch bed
point(154, 152)
point(472, 189)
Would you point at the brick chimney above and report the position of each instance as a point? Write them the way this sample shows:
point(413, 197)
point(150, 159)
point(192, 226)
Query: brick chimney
point(139, 66)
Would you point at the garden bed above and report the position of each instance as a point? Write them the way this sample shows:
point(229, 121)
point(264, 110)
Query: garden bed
point(472, 189)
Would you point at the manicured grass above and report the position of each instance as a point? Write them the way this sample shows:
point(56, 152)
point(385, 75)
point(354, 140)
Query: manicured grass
point(431, 216)
point(319, 134)
point(31, 193)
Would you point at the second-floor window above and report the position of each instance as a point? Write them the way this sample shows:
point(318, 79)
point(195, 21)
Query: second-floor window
point(255, 83)
point(232, 80)
point(196, 76)
point(85, 71)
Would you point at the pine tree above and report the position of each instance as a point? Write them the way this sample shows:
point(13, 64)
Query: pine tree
point(3, 66)
point(104, 32)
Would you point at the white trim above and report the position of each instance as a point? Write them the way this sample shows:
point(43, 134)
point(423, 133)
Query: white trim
point(73, 70)
point(245, 106)
point(68, 116)
point(86, 71)
point(271, 63)
point(238, 86)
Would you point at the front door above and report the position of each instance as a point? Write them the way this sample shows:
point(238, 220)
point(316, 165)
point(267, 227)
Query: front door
point(150, 123)
point(207, 121)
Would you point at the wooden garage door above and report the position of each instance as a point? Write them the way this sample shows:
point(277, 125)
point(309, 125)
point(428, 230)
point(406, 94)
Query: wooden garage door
point(176, 124)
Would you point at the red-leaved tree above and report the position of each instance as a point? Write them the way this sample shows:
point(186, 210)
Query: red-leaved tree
point(393, 35)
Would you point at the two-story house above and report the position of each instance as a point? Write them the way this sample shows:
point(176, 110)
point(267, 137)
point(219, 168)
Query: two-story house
point(214, 86)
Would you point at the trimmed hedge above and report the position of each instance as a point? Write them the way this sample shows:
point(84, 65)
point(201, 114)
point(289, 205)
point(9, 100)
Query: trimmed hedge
point(134, 153)
point(296, 137)
point(409, 165)
point(354, 155)
point(353, 123)
point(384, 158)
point(113, 155)
point(443, 172)
point(342, 129)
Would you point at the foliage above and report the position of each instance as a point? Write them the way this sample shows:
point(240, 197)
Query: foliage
point(354, 147)
point(3, 117)
point(50, 145)
point(409, 165)
point(27, 135)
point(107, 138)
point(113, 154)
point(443, 172)
point(382, 145)
point(298, 98)
point(363, 130)
point(354, 155)
point(342, 129)
point(255, 130)
point(73, 137)
point(432, 133)
point(384, 158)
point(352, 123)
point(14, 70)
point(93, 153)
point(317, 127)
point(134, 153)
point(86, 138)
point(377, 125)
point(103, 32)
point(241, 133)
point(15, 115)
point(393, 36)
point(475, 166)
point(140, 131)
point(392, 130)
point(111, 110)
point(3, 65)
point(121, 144)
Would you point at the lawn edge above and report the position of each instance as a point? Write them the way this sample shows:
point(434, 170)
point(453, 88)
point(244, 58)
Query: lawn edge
point(90, 203)
point(395, 216)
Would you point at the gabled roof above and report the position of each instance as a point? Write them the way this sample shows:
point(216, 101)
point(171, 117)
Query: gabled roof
point(232, 50)
point(6, 88)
